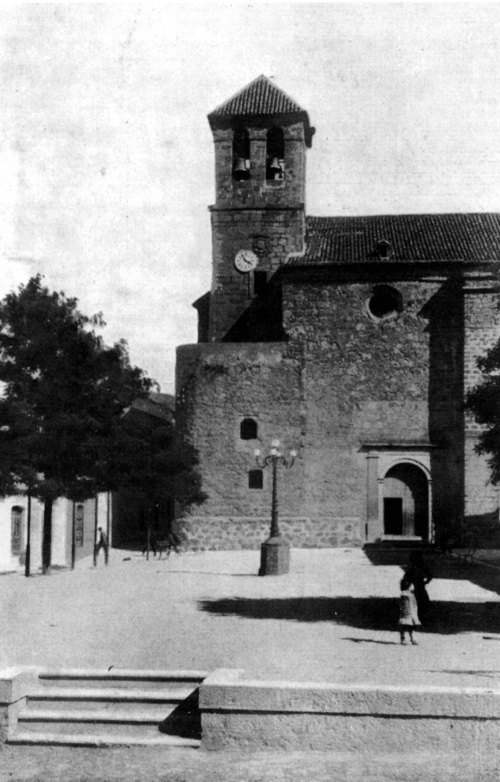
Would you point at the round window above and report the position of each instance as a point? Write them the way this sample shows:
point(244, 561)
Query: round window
point(384, 303)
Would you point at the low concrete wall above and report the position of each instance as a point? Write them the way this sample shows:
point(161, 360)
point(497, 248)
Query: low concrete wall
point(15, 684)
point(258, 715)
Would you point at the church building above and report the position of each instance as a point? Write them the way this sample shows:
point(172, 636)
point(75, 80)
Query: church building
point(351, 340)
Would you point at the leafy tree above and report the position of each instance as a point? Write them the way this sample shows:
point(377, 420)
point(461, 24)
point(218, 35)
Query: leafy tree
point(62, 428)
point(149, 446)
point(483, 402)
point(145, 447)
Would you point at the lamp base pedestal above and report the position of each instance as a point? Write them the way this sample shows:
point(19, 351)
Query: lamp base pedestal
point(274, 557)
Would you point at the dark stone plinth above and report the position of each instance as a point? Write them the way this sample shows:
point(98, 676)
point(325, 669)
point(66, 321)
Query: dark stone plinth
point(274, 557)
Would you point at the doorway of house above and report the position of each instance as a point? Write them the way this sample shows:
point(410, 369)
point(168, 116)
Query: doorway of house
point(406, 502)
point(16, 538)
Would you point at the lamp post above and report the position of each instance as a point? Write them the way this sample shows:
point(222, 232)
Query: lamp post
point(275, 551)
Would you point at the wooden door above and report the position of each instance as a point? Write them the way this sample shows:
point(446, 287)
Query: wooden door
point(393, 515)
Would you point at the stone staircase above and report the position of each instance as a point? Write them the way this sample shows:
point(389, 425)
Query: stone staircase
point(397, 551)
point(116, 707)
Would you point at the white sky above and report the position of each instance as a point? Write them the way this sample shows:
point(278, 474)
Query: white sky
point(106, 155)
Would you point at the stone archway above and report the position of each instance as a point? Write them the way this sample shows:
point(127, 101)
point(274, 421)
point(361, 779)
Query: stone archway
point(406, 501)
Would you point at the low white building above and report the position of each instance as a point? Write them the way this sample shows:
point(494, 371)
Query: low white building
point(82, 517)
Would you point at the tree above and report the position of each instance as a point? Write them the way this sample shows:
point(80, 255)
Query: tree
point(62, 431)
point(483, 402)
point(149, 447)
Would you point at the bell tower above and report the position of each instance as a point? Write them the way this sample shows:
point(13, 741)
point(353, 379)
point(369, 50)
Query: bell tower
point(258, 219)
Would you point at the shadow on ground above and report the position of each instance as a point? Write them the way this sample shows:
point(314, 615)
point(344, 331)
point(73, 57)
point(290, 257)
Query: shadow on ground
point(476, 573)
point(486, 674)
point(365, 613)
point(449, 567)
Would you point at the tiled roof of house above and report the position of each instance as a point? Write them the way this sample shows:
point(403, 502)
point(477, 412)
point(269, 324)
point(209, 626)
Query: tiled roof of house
point(418, 237)
point(261, 96)
point(156, 405)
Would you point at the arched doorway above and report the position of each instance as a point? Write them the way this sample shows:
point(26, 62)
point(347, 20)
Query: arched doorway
point(406, 501)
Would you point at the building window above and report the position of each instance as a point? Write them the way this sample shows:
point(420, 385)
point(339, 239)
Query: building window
point(275, 158)
point(241, 155)
point(248, 429)
point(259, 283)
point(79, 519)
point(385, 303)
point(16, 522)
point(255, 479)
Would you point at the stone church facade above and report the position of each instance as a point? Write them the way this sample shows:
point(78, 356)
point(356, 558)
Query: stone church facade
point(352, 340)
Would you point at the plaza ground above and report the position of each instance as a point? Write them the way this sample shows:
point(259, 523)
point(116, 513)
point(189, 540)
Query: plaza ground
point(61, 764)
point(332, 618)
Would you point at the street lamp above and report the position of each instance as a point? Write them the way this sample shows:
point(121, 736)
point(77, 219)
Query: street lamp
point(275, 551)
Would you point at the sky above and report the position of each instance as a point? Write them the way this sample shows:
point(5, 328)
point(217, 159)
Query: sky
point(106, 156)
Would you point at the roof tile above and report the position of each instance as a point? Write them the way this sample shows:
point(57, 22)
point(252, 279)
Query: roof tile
point(260, 97)
point(418, 237)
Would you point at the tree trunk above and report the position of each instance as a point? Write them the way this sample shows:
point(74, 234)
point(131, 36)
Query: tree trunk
point(47, 537)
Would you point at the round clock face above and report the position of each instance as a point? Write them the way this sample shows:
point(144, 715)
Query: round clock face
point(246, 261)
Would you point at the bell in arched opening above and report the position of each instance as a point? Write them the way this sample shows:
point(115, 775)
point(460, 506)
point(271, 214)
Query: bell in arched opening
point(241, 155)
point(240, 170)
point(275, 158)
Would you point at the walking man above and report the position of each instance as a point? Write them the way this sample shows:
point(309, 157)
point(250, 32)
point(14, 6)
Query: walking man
point(102, 543)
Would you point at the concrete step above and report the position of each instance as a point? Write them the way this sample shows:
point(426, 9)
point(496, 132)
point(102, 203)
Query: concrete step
point(124, 678)
point(74, 696)
point(103, 740)
point(158, 709)
point(144, 717)
point(97, 723)
point(393, 552)
point(97, 708)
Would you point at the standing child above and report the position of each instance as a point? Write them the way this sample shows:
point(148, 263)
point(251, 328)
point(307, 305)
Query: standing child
point(408, 614)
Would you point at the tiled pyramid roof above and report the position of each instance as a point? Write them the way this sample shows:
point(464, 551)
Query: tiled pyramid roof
point(417, 237)
point(261, 96)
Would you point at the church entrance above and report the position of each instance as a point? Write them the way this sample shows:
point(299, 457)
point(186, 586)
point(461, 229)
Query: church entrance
point(406, 502)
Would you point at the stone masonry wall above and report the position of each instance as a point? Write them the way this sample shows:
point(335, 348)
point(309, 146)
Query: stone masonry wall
point(256, 214)
point(257, 191)
point(482, 330)
point(227, 534)
point(218, 386)
point(343, 379)
point(367, 380)
point(271, 235)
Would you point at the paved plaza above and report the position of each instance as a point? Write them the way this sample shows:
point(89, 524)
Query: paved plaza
point(332, 618)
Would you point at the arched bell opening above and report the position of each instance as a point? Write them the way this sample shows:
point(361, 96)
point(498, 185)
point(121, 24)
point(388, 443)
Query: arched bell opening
point(275, 157)
point(406, 501)
point(241, 155)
